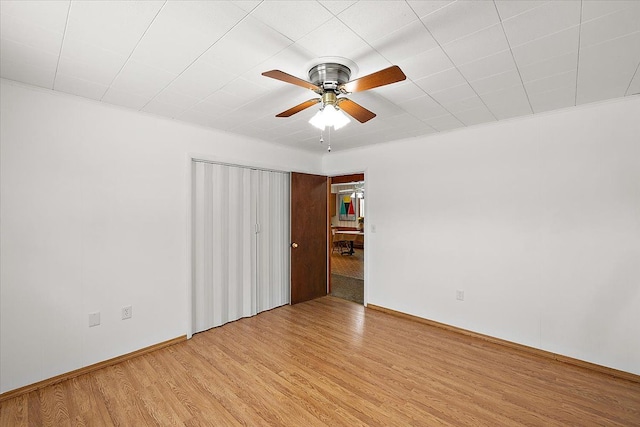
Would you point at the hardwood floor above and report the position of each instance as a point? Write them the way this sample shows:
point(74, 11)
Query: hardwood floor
point(332, 362)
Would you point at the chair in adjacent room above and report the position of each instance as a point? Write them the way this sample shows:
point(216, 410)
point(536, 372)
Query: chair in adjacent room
point(341, 246)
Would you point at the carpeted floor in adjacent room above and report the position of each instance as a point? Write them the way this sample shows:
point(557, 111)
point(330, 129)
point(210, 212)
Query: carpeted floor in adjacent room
point(347, 274)
point(347, 288)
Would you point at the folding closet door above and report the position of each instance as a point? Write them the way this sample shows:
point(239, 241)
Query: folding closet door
point(273, 258)
point(240, 243)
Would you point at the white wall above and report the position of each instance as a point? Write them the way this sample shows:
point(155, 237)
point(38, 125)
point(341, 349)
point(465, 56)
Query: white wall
point(94, 217)
point(537, 219)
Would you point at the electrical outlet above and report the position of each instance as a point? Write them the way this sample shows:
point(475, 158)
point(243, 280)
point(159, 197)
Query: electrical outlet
point(94, 319)
point(127, 312)
point(460, 295)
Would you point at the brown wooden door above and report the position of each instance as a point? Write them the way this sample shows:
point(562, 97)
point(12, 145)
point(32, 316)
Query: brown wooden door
point(308, 237)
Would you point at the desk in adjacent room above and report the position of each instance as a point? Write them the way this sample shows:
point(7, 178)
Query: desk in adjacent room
point(350, 236)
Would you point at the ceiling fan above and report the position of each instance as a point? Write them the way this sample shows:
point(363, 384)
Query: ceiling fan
point(330, 80)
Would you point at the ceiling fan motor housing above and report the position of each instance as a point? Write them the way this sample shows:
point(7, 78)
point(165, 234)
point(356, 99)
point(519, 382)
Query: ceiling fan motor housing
point(329, 75)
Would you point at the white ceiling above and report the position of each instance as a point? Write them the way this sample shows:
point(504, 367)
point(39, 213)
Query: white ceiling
point(467, 62)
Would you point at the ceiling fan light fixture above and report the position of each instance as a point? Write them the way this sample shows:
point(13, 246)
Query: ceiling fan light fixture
point(329, 116)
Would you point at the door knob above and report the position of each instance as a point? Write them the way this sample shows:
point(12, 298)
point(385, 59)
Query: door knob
point(294, 245)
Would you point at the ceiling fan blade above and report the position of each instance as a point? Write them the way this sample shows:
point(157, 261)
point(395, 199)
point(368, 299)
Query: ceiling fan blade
point(293, 110)
point(288, 78)
point(387, 76)
point(355, 110)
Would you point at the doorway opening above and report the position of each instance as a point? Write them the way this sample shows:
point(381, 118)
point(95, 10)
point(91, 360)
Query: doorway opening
point(347, 217)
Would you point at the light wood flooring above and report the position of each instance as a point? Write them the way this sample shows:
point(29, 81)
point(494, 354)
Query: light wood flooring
point(336, 363)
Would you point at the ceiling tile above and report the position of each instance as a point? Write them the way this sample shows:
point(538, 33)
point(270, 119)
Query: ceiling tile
point(201, 79)
point(407, 122)
point(170, 96)
point(292, 60)
point(465, 104)
point(182, 31)
point(489, 66)
point(209, 108)
point(246, 5)
point(475, 116)
point(268, 122)
point(30, 22)
point(408, 41)
point(423, 8)
point(337, 6)
point(426, 63)
point(233, 52)
point(196, 117)
point(219, 101)
point(368, 61)
point(18, 31)
point(549, 67)
point(596, 8)
point(333, 39)
point(444, 123)
point(252, 106)
point(566, 79)
point(634, 87)
point(509, 8)
point(115, 26)
point(423, 108)
point(460, 19)
point(125, 99)
point(613, 25)
point(560, 43)
point(561, 97)
point(443, 80)
point(231, 120)
point(370, 19)
point(142, 79)
point(486, 42)
point(88, 62)
point(18, 59)
point(75, 86)
point(400, 92)
point(542, 21)
point(507, 103)
point(292, 19)
point(24, 72)
point(163, 109)
point(244, 90)
point(496, 82)
point(454, 94)
point(606, 70)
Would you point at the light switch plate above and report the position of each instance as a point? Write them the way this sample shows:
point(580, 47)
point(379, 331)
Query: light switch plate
point(94, 319)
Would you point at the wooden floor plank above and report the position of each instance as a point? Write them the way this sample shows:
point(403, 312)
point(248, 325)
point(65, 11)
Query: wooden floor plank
point(336, 363)
point(15, 412)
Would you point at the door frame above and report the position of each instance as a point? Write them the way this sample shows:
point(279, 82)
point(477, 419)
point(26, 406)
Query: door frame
point(332, 175)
